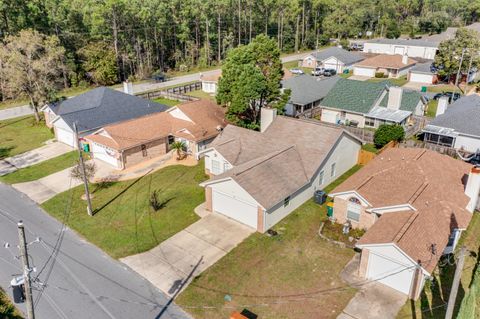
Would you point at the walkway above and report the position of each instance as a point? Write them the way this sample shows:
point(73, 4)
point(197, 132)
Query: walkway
point(175, 262)
point(13, 112)
point(38, 155)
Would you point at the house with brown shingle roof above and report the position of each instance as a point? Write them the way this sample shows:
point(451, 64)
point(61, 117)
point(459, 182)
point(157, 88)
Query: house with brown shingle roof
point(414, 204)
point(210, 81)
point(128, 143)
point(392, 66)
point(258, 178)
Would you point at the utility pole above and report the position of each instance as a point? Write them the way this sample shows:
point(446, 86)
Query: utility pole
point(455, 284)
point(84, 175)
point(468, 74)
point(459, 69)
point(26, 270)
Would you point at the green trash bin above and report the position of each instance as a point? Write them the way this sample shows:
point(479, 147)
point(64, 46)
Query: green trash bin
point(424, 89)
point(86, 148)
point(330, 209)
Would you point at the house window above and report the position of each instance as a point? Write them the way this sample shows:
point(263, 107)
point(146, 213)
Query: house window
point(226, 166)
point(354, 209)
point(215, 166)
point(370, 122)
point(321, 176)
point(171, 139)
point(286, 201)
point(144, 150)
point(333, 169)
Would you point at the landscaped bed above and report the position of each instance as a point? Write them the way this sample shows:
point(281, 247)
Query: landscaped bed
point(42, 169)
point(124, 222)
point(7, 310)
point(294, 274)
point(22, 134)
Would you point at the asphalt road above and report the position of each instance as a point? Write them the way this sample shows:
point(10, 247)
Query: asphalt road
point(139, 88)
point(84, 282)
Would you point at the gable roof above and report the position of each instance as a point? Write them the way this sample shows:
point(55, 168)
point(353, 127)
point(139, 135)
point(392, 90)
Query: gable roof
point(342, 55)
point(102, 106)
point(212, 76)
point(430, 182)
point(462, 115)
point(389, 61)
point(354, 96)
point(201, 122)
point(306, 89)
point(409, 42)
point(274, 164)
point(409, 100)
point(423, 68)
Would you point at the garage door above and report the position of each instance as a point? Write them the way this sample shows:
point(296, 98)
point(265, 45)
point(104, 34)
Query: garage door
point(390, 273)
point(234, 208)
point(64, 136)
point(364, 72)
point(330, 116)
point(421, 78)
point(103, 154)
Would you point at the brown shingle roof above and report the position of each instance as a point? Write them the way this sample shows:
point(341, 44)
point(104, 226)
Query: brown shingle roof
point(206, 116)
point(386, 61)
point(212, 76)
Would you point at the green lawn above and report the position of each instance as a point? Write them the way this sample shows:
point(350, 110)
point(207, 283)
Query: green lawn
point(292, 275)
point(22, 134)
point(431, 108)
point(7, 310)
point(435, 295)
point(442, 88)
point(346, 75)
point(167, 102)
point(42, 169)
point(124, 223)
point(397, 82)
point(370, 148)
point(201, 95)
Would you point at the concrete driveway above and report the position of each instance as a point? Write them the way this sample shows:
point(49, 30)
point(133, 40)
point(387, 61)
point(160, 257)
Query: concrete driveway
point(47, 187)
point(175, 262)
point(38, 155)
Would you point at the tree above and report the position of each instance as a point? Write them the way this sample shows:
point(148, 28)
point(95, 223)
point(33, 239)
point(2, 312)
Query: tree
point(100, 63)
point(250, 80)
point(387, 133)
point(450, 51)
point(33, 64)
point(90, 170)
point(178, 146)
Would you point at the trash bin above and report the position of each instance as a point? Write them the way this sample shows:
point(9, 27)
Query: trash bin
point(86, 148)
point(330, 209)
point(424, 89)
point(320, 197)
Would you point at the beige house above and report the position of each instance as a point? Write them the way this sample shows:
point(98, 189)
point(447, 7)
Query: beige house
point(210, 81)
point(392, 66)
point(414, 204)
point(131, 142)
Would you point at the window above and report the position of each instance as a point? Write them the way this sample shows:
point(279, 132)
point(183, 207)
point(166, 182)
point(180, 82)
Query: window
point(321, 178)
point(286, 201)
point(333, 170)
point(215, 167)
point(370, 122)
point(226, 166)
point(354, 209)
point(144, 150)
point(171, 139)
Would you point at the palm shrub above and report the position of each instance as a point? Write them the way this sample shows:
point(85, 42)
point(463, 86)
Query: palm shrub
point(178, 146)
point(387, 133)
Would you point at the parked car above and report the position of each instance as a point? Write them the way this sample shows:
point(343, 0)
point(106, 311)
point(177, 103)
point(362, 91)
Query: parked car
point(159, 77)
point(318, 71)
point(329, 72)
point(296, 71)
point(451, 96)
point(356, 47)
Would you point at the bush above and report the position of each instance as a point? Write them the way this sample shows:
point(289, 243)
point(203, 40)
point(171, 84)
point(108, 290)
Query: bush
point(379, 74)
point(387, 133)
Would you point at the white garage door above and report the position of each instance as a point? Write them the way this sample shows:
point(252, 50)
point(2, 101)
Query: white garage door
point(65, 136)
point(390, 273)
point(421, 78)
point(103, 154)
point(364, 71)
point(399, 50)
point(330, 116)
point(234, 208)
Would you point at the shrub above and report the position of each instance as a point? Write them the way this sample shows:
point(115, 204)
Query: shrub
point(387, 133)
point(379, 74)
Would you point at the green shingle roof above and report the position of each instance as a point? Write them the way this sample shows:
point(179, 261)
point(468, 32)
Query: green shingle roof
point(409, 102)
point(354, 96)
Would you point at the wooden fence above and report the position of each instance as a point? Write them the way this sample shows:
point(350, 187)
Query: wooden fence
point(173, 93)
point(365, 156)
point(450, 151)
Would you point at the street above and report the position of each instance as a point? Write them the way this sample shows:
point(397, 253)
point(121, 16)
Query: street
point(80, 281)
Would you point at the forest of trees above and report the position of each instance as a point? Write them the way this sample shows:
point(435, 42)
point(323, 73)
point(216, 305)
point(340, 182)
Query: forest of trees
point(106, 41)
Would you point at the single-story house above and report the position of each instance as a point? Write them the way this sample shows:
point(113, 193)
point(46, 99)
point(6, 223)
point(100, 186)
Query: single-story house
point(422, 73)
point(332, 58)
point(458, 126)
point(210, 81)
point(306, 92)
point(393, 66)
point(258, 178)
point(412, 48)
point(370, 104)
point(128, 143)
point(93, 110)
point(414, 204)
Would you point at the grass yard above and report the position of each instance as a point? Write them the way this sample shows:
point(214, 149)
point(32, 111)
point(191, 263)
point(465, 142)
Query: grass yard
point(22, 134)
point(346, 75)
point(434, 295)
point(292, 275)
point(294, 64)
point(124, 223)
point(397, 82)
point(42, 169)
point(442, 88)
point(7, 310)
point(201, 95)
point(431, 108)
point(167, 102)
point(369, 147)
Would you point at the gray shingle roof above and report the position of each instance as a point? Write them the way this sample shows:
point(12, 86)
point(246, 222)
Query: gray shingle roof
point(102, 106)
point(422, 68)
point(412, 42)
point(307, 89)
point(342, 55)
point(409, 101)
point(463, 116)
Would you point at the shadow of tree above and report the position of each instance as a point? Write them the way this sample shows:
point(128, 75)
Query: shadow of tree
point(5, 152)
